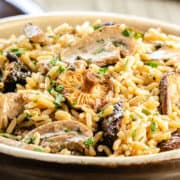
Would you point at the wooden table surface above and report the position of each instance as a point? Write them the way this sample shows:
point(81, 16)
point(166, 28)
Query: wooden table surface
point(167, 10)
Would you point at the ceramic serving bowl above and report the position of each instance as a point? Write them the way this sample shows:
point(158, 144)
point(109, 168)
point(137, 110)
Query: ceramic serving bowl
point(22, 164)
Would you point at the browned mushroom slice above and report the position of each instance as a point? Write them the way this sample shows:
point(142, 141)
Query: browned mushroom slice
point(172, 143)
point(169, 92)
point(34, 33)
point(102, 47)
point(11, 105)
point(85, 88)
point(58, 135)
point(22, 145)
point(111, 124)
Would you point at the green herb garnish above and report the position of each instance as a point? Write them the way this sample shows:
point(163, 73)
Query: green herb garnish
point(96, 26)
point(89, 142)
point(130, 32)
point(57, 36)
point(102, 70)
point(54, 61)
point(127, 32)
point(29, 140)
point(1, 53)
point(74, 103)
point(67, 130)
point(34, 62)
point(146, 112)
point(60, 69)
point(98, 51)
point(132, 117)
point(59, 88)
point(6, 135)
point(134, 133)
point(17, 52)
point(28, 116)
point(138, 35)
point(50, 89)
point(58, 99)
point(38, 149)
point(152, 64)
point(153, 127)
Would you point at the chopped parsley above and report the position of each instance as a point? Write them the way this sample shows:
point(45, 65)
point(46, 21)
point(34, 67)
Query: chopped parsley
point(54, 61)
point(17, 52)
point(134, 133)
point(130, 32)
point(153, 127)
point(28, 115)
point(67, 130)
point(53, 82)
point(29, 140)
point(127, 32)
point(50, 89)
point(6, 135)
point(34, 62)
point(38, 149)
point(89, 142)
point(98, 51)
point(132, 117)
point(1, 53)
point(58, 99)
point(97, 26)
point(57, 36)
point(74, 103)
point(59, 88)
point(60, 69)
point(102, 70)
point(152, 64)
point(138, 35)
point(146, 112)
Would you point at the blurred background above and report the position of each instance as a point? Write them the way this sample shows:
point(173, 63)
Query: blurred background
point(167, 10)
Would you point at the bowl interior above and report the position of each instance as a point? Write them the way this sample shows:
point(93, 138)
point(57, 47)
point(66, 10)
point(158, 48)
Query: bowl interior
point(14, 25)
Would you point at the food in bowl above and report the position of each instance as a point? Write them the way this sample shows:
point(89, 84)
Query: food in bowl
point(99, 89)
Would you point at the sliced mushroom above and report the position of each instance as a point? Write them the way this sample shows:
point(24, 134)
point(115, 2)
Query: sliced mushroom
point(44, 66)
point(22, 145)
point(11, 105)
point(34, 33)
point(102, 47)
point(169, 92)
point(172, 143)
point(85, 88)
point(69, 134)
point(110, 124)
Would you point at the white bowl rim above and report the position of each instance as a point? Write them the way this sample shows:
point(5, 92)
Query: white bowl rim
point(83, 160)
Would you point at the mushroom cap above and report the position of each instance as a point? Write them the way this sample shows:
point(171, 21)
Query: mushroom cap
point(169, 91)
point(104, 46)
point(34, 33)
point(57, 135)
point(83, 87)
